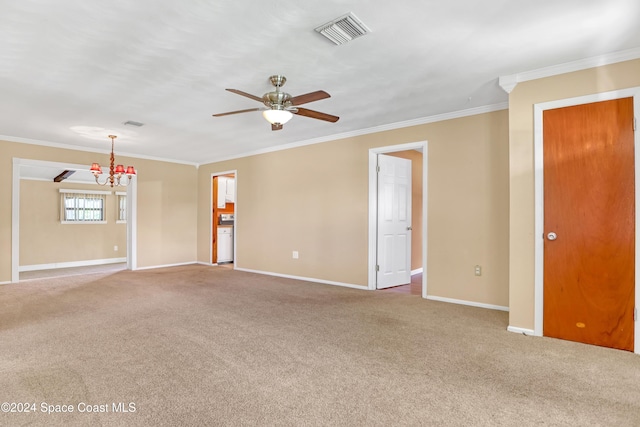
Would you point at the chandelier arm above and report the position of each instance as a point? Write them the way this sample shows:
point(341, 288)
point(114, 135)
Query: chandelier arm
point(101, 183)
point(125, 183)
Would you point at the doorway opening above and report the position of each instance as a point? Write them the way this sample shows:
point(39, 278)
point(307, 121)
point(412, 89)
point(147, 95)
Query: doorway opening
point(539, 228)
point(26, 168)
point(223, 218)
point(417, 152)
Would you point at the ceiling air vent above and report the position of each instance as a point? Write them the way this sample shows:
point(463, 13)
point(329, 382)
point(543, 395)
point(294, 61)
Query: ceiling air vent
point(343, 29)
point(132, 123)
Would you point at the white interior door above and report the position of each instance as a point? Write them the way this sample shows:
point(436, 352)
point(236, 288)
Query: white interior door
point(394, 221)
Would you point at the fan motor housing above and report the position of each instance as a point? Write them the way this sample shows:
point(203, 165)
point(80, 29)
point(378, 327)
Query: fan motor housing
point(272, 99)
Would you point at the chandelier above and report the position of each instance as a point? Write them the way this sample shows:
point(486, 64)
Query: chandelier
point(115, 173)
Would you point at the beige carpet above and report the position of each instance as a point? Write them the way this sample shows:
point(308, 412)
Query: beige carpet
point(199, 345)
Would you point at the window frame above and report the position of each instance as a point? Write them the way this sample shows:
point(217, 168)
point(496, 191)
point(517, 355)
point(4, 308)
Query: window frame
point(101, 195)
point(121, 211)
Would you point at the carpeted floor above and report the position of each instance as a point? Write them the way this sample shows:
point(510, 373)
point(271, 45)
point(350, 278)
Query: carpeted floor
point(198, 345)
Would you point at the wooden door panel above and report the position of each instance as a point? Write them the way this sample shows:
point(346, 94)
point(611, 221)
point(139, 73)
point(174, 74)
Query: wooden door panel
point(589, 202)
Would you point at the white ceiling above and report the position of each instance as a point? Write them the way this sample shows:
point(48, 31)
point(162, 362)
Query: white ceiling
point(73, 71)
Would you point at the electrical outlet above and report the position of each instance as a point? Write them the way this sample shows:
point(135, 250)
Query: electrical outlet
point(115, 248)
point(295, 255)
point(478, 270)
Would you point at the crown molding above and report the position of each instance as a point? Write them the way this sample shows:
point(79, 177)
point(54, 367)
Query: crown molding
point(90, 150)
point(508, 82)
point(392, 126)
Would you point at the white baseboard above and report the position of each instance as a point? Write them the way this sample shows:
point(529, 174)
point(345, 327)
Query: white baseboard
point(416, 271)
point(168, 265)
point(307, 279)
point(522, 331)
point(90, 262)
point(470, 303)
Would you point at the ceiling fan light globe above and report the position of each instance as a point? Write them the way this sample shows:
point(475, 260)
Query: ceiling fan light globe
point(277, 116)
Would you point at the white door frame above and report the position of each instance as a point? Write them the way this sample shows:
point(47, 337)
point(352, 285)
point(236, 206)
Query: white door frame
point(235, 216)
point(539, 197)
point(373, 207)
point(132, 213)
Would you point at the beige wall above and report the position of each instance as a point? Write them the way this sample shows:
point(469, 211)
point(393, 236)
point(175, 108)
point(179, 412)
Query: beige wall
point(521, 101)
point(167, 203)
point(45, 240)
point(167, 212)
point(314, 199)
point(416, 203)
point(469, 209)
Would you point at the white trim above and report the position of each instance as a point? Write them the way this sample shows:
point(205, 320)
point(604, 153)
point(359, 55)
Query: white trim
point(90, 150)
point(82, 222)
point(399, 125)
point(425, 210)
point(391, 126)
point(416, 271)
point(15, 213)
point(422, 146)
point(178, 264)
point(373, 221)
point(235, 215)
point(5, 283)
point(523, 331)
point(305, 279)
point(15, 222)
point(132, 224)
point(87, 263)
point(469, 303)
point(508, 82)
point(106, 193)
point(538, 110)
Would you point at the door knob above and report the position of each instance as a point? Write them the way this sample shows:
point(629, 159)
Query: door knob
point(409, 228)
point(552, 236)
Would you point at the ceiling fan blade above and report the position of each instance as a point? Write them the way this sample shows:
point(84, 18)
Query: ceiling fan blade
point(316, 115)
point(236, 112)
point(248, 95)
point(276, 126)
point(309, 97)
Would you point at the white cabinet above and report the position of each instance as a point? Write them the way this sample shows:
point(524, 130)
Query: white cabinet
point(225, 244)
point(226, 191)
point(222, 192)
point(231, 190)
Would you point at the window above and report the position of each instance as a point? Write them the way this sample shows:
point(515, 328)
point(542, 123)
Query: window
point(83, 207)
point(122, 207)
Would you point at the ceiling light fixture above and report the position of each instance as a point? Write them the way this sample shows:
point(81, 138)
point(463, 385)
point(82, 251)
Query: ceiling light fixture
point(115, 173)
point(277, 117)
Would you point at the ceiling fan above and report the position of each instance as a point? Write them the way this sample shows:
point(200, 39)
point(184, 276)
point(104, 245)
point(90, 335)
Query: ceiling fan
point(281, 106)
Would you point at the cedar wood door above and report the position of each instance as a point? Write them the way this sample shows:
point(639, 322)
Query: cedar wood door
point(589, 203)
